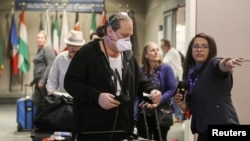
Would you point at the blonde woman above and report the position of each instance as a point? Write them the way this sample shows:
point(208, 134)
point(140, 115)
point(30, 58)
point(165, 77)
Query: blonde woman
point(162, 76)
point(43, 60)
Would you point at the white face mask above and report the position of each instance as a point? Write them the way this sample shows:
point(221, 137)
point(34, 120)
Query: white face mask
point(123, 44)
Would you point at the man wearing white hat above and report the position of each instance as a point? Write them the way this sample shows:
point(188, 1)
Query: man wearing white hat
point(60, 65)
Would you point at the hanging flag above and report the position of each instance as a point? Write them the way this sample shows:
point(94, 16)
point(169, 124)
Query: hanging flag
point(1, 55)
point(14, 43)
point(47, 27)
point(93, 23)
point(77, 24)
point(103, 18)
point(56, 34)
point(23, 56)
point(64, 31)
point(41, 22)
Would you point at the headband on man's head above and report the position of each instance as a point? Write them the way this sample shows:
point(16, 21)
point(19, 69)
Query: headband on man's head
point(120, 15)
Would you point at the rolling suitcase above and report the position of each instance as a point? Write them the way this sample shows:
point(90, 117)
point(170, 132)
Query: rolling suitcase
point(25, 112)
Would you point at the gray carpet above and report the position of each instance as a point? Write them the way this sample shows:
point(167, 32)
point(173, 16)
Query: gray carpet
point(8, 126)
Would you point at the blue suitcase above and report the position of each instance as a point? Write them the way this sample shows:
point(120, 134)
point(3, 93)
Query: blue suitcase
point(26, 111)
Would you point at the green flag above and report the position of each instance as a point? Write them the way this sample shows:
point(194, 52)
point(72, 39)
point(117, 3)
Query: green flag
point(64, 31)
point(93, 23)
point(41, 23)
point(23, 57)
point(56, 34)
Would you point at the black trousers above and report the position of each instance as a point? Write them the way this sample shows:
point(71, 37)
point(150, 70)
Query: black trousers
point(202, 136)
point(39, 95)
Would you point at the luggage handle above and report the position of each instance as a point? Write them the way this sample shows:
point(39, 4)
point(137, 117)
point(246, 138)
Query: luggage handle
point(27, 97)
point(103, 132)
point(25, 90)
point(146, 123)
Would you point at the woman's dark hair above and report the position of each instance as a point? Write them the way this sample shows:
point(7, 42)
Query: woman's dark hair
point(100, 31)
point(92, 34)
point(189, 61)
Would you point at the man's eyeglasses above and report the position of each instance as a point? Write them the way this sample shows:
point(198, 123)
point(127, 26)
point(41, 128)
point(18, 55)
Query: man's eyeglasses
point(73, 46)
point(202, 47)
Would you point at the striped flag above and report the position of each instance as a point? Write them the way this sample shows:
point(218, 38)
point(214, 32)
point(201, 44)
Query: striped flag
point(1, 55)
point(64, 31)
point(47, 27)
point(77, 24)
point(14, 43)
point(103, 18)
point(56, 34)
point(93, 23)
point(23, 56)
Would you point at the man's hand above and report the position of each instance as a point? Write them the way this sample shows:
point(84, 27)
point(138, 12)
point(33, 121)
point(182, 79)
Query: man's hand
point(147, 105)
point(50, 93)
point(107, 101)
point(30, 84)
point(40, 85)
point(180, 99)
point(156, 96)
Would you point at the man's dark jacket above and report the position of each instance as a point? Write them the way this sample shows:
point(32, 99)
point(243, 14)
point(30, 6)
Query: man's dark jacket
point(89, 75)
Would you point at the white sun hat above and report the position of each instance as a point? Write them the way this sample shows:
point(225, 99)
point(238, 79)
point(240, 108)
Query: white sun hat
point(75, 38)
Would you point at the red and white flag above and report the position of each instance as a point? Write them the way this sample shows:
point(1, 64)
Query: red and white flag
point(77, 23)
point(103, 18)
point(23, 56)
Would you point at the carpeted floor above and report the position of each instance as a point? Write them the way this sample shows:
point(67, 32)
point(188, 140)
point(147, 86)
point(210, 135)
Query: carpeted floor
point(8, 126)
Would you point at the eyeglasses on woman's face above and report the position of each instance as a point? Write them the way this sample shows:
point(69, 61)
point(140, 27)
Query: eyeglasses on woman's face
point(200, 47)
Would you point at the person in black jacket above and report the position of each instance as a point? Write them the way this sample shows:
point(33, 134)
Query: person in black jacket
point(104, 78)
point(210, 81)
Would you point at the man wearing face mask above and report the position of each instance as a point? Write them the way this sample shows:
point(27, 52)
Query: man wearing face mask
point(104, 79)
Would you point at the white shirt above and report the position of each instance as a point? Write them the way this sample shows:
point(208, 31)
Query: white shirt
point(57, 72)
point(116, 63)
point(173, 58)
